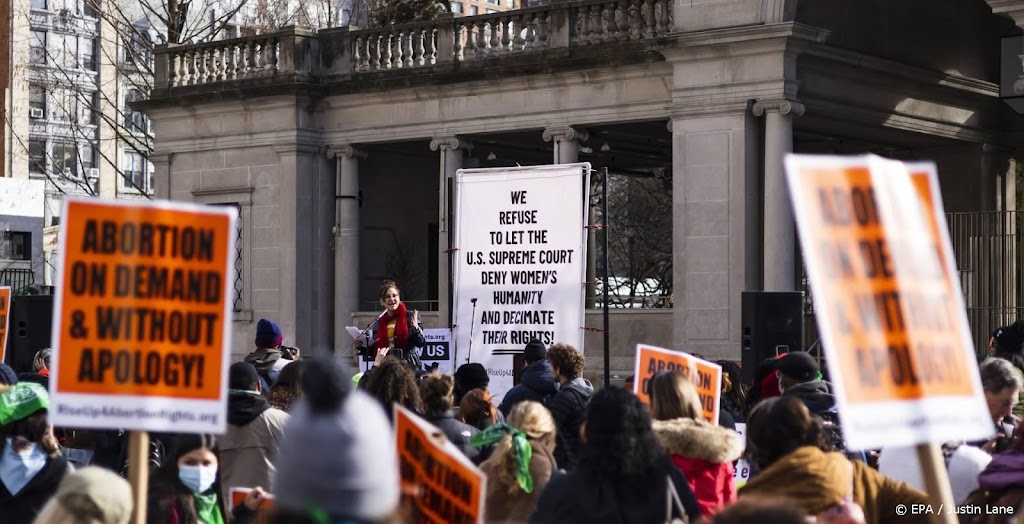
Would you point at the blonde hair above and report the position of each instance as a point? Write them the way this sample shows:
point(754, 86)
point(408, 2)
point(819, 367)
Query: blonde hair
point(533, 419)
point(674, 396)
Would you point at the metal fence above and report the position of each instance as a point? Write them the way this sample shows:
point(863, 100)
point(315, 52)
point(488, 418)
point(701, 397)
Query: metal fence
point(987, 247)
point(19, 280)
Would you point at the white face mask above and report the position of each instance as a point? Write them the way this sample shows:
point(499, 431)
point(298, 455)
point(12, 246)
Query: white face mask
point(18, 467)
point(198, 479)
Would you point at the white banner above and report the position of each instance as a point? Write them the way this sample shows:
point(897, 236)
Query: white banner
point(520, 264)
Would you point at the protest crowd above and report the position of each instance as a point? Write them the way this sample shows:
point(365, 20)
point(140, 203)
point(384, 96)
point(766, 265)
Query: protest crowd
point(317, 439)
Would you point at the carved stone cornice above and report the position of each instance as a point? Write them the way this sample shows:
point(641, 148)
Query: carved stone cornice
point(449, 143)
point(346, 151)
point(160, 159)
point(779, 105)
point(559, 134)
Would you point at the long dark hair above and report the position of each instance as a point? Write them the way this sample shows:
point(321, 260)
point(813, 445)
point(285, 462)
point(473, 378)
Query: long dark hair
point(619, 439)
point(778, 426)
point(167, 489)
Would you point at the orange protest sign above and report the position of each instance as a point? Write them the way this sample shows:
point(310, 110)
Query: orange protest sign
point(438, 482)
point(706, 376)
point(888, 303)
point(5, 317)
point(263, 512)
point(142, 317)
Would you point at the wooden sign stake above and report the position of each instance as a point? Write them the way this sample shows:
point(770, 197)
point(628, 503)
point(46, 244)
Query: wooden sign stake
point(936, 482)
point(138, 473)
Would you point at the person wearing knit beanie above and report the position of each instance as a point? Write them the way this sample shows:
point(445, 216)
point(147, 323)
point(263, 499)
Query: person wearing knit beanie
point(536, 381)
point(469, 377)
point(268, 358)
point(337, 460)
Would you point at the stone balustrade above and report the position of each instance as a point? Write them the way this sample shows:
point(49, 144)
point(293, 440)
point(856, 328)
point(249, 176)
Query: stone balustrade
point(297, 52)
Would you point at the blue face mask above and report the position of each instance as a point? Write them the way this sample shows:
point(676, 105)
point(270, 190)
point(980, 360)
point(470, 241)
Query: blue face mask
point(197, 479)
point(21, 461)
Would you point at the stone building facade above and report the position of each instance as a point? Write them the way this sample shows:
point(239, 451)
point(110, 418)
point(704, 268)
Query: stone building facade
point(339, 146)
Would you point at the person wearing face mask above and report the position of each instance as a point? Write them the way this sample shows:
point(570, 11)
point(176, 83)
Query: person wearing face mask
point(30, 467)
point(186, 489)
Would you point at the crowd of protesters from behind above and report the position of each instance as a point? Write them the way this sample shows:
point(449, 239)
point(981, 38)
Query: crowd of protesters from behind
point(788, 445)
point(623, 474)
point(536, 383)
point(569, 405)
point(704, 452)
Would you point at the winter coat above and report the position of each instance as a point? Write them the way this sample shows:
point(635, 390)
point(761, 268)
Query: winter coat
point(568, 408)
point(25, 506)
point(587, 497)
point(268, 363)
point(248, 449)
point(816, 395)
point(537, 383)
point(817, 480)
point(517, 505)
point(458, 433)
point(705, 454)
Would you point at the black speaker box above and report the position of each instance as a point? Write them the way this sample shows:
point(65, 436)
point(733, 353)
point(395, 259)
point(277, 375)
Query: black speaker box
point(773, 322)
point(28, 329)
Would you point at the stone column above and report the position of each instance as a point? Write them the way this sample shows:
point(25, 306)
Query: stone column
point(346, 241)
point(567, 151)
point(452, 149)
point(779, 248)
point(161, 175)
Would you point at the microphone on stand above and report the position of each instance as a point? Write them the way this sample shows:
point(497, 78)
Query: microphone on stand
point(369, 348)
point(472, 324)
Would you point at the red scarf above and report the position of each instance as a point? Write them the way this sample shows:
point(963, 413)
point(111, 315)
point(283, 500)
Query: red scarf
point(401, 328)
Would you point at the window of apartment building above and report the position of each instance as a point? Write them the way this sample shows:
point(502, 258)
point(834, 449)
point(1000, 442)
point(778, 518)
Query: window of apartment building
point(39, 4)
point(16, 245)
point(136, 173)
point(90, 8)
point(490, 11)
point(36, 102)
point(494, 2)
point(36, 156)
point(64, 156)
point(94, 108)
point(134, 121)
point(456, 7)
point(511, 4)
point(37, 47)
point(69, 50)
point(474, 10)
point(66, 106)
point(86, 157)
point(89, 55)
point(229, 31)
point(138, 48)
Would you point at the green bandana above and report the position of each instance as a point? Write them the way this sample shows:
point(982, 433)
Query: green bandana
point(22, 400)
point(207, 508)
point(520, 447)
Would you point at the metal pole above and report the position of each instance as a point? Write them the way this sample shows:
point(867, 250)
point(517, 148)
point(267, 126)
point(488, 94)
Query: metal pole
point(604, 287)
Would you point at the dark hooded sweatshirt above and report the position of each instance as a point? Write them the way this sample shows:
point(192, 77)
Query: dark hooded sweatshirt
point(816, 395)
point(537, 383)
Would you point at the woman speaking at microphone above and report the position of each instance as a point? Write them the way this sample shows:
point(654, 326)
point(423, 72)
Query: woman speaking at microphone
point(397, 331)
